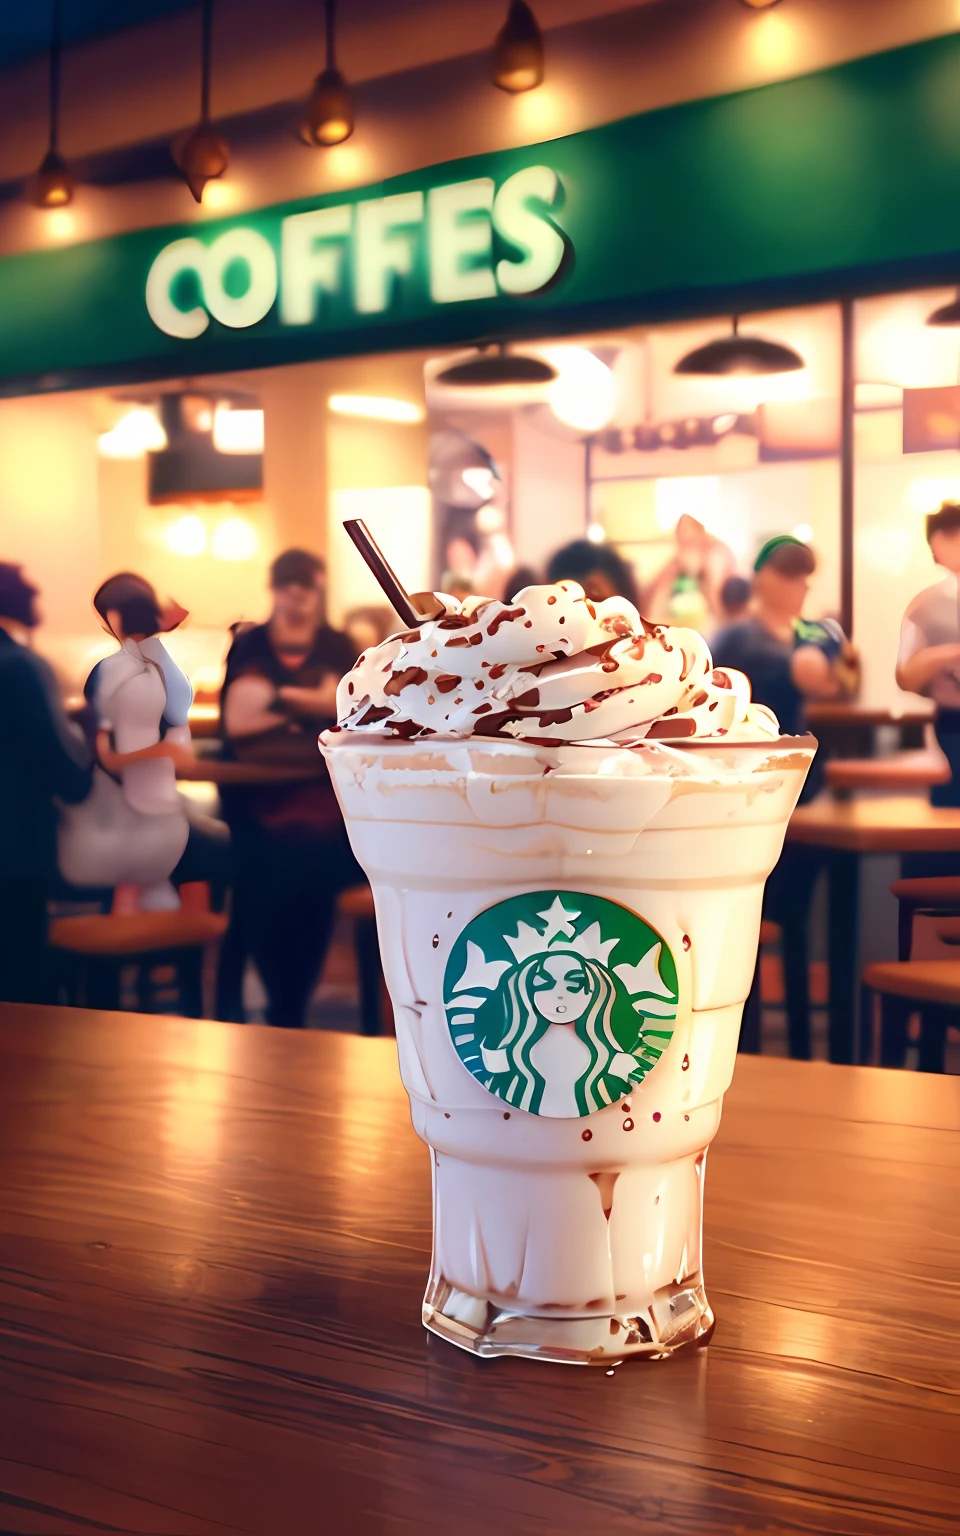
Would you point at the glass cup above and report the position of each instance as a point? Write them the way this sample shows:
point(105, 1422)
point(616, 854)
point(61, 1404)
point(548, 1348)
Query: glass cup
point(568, 935)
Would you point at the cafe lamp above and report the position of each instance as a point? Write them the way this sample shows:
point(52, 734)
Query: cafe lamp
point(518, 51)
point(737, 354)
point(203, 155)
point(52, 185)
point(329, 114)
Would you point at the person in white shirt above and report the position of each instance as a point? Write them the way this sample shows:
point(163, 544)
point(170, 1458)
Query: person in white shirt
point(132, 829)
point(929, 657)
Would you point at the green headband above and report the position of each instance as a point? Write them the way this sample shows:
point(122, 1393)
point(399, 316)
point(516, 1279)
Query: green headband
point(772, 545)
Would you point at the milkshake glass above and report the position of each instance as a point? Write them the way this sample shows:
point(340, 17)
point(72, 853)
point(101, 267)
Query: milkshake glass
point(569, 933)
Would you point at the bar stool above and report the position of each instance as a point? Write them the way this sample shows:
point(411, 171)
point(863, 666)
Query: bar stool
point(937, 895)
point(357, 903)
point(931, 987)
point(92, 951)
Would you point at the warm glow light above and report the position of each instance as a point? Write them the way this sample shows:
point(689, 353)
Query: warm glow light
point(221, 196)
point(596, 533)
point(347, 165)
point(803, 532)
point(538, 114)
point(61, 224)
point(237, 431)
point(773, 40)
point(187, 536)
point(926, 495)
point(583, 395)
point(234, 539)
point(376, 408)
point(136, 433)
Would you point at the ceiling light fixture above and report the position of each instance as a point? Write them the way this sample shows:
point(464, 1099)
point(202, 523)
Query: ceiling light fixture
point(736, 354)
point(947, 314)
point(492, 366)
point(52, 186)
point(137, 432)
point(329, 115)
point(518, 51)
point(203, 155)
point(376, 408)
point(759, 5)
point(237, 431)
point(583, 396)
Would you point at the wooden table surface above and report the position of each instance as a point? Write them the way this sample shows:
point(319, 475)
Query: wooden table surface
point(213, 1245)
point(887, 824)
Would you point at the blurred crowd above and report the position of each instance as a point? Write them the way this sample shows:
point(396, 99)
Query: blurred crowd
point(89, 804)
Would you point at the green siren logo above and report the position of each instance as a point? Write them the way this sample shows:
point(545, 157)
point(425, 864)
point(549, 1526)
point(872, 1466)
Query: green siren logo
point(560, 1003)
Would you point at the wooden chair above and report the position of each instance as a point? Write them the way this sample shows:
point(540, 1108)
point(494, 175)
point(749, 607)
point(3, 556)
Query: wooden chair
point(375, 1011)
point(92, 951)
point(938, 895)
point(930, 987)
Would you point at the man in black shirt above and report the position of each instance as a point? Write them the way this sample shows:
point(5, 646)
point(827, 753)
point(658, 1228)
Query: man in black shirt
point(293, 857)
point(789, 660)
point(42, 756)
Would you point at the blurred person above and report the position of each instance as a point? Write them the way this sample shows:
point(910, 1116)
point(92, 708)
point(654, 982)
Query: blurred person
point(522, 576)
point(43, 759)
point(293, 857)
point(735, 600)
point(687, 589)
point(789, 660)
point(929, 658)
point(131, 831)
point(599, 570)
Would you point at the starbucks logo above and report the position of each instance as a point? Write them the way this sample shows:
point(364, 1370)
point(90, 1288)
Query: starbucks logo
point(560, 1003)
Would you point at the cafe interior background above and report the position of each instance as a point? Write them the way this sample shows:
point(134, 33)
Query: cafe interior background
point(199, 478)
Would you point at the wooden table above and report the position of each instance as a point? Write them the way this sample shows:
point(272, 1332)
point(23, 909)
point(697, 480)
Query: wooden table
point(847, 829)
point(214, 1241)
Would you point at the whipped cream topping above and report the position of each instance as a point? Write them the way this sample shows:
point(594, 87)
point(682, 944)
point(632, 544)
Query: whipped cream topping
point(548, 667)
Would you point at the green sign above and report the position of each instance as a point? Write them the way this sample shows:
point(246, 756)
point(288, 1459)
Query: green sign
point(558, 1002)
point(845, 178)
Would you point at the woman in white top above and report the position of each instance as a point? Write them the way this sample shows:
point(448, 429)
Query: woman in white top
point(132, 828)
point(929, 658)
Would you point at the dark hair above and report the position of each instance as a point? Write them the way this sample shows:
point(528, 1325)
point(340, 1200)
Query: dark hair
point(16, 595)
point(577, 561)
point(133, 598)
point(787, 556)
point(734, 593)
point(296, 567)
point(945, 519)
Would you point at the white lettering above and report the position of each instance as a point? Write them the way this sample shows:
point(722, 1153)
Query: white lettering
point(461, 241)
point(382, 251)
point(256, 251)
point(531, 232)
point(179, 256)
point(310, 262)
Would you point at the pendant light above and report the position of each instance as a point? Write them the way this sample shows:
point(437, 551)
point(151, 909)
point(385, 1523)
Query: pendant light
point(518, 51)
point(737, 354)
point(759, 5)
point(52, 186)
point(203, 155)
point(947, 314)
point(492, 367)
point(329, 115)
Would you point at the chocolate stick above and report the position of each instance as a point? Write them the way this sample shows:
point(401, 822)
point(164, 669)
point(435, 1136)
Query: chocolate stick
point(396, 595)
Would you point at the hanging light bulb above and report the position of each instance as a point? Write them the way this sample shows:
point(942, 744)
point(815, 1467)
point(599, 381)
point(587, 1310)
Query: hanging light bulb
point(52, 186)
point(203, 155)
point(329, 114)
point(518, 51)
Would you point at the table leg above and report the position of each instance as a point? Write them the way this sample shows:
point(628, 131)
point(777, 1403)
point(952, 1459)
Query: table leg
point(844, 901)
